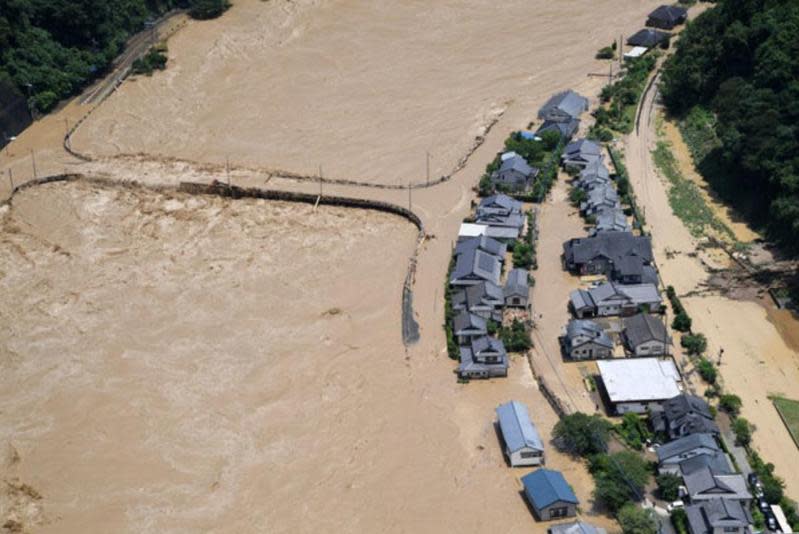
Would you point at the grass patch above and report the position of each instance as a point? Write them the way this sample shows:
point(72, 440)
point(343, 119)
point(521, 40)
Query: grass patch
point(698, 129)
point(789, 412)
point(685, 197)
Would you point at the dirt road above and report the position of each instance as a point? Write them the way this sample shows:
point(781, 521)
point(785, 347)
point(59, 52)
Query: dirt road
point(757, 360)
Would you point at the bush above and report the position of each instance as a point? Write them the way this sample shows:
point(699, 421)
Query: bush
point(636, 520)
point(669, 486)
point(550, 140)
point(208, 9)
point(707, 371)
point(577, 196)
point(582, 434)
point(680, 521)
point(606, 53)
point(681, 322)
point(731, 404)
point(516, 338)
point(154, 59)
point(694, 343)
point(522, 255)
point(620, 478)
point(44, 101)
point(743, 431)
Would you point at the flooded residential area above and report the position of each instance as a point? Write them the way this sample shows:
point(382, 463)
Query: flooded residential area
point(209, 272)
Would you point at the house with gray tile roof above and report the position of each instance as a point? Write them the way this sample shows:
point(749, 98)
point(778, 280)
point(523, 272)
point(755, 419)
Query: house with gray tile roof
point(602, 197)
point(595, 168)
point(513, 220)
point(649, 38)
point(590, 182)
point(483, 357)
point(719, 463)
point(703, 485)
point(683, 415)
point(719, 516)
point(467, 326)
point(515, 174)
point(522, 444)
point(612, 299)
point(484, 299)
point(578, 527)
point(563, 107)
point(499, 204)
point(607, 253)
point(610, 220)
point(549, 495)
point(667, 17)
point(586, 340)
point(483, 243)
point(517, 289)
point(474, 266)
point(565, 129)
point(581, 153)
point(646, 335)
point(682, 449)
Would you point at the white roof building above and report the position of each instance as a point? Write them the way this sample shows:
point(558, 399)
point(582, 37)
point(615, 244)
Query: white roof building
point(635, 385)
point(636, 51)
point(472, 230)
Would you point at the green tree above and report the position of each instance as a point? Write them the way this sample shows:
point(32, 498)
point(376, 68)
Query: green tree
point(516, 337)
point(636, 520)
point(633, 430)
point(208, 9)
point(681, 322)
point(731, 404)
point(743, 431)
point(620, 478)
point(582, 434)
point(707, 371)
point(669, 486)
point(694, 343)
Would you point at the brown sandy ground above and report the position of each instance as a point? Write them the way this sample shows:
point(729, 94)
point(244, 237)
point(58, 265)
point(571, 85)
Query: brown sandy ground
point(267, 393)
point(757, 361)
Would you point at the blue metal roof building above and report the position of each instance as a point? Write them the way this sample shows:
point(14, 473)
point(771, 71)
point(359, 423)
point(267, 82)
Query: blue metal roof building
point(523, 445)
point(549, 494)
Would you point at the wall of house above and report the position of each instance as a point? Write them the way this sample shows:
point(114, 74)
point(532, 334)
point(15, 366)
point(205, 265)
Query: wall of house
point(517, 459)
point(548, 513)
point(651, 348)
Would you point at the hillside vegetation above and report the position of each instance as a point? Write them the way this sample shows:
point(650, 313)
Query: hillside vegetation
point(736, 71)
point(57, 46)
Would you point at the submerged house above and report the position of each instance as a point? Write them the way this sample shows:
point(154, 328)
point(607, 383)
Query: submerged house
point(601, 198)
point(612, 299)
point(474, 266)
point(690, 446)
point(667, 17)
point(566, 129)
point(638, 385)
point(563, 107)
point(586, 340)
point(467, 326)
point(684, 415)
point(523, 445)
point(719, 516)
point(610, 220)
point(578, 527)
point(621, 256)
point(515, 174)
point(499, 204)
point(703, 485)
point(483, 357)
point(517, 289)
point(549, 495)
point(649, 38)
point(484, 299)
point(646, 335)
point(581, 153)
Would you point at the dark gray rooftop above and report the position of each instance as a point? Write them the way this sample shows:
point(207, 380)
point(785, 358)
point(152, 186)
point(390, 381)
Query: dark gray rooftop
point(643, 328)
point(611, 245)
point(516, 283)
point(468, 321)
point(648, 38)
point(568, 102)
point(687, 444)
point(669, 14)
point(518, 164)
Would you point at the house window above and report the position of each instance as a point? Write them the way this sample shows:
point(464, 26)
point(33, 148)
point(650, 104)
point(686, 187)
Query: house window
point(730, 529)
point(558, 512)
point(530, 454)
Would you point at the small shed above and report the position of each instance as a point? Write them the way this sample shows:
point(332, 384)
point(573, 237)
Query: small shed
point(523, 445)
point(650, 38)
point(635, 52)
point(517, 289)
point(549, 495)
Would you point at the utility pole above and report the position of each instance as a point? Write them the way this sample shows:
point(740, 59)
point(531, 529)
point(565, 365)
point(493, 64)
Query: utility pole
point(621, 51)
point(428, 166)
point(33, 162)
point(11, 179)
point(321, 180)
point(227, 169)
point(66, 126)
point(410, 203)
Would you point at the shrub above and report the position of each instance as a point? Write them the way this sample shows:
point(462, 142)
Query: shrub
point(636, 520)
point(743, 431)
point(582, 434)
point(606, 53)
point(680, 521)
point(208, 9)
point(550, 140)
point(154, 59)
point(694, 343)
point(522, 255)
point(707, 371)
point(731, 404)
point(44, 101)
point(577, 195)
point(620, 478)
point(669, 486)
point(681, 322)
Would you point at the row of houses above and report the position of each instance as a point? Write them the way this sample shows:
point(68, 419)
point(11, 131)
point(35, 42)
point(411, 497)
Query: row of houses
point(665, 17)
point(478, 295)
point(642, 335)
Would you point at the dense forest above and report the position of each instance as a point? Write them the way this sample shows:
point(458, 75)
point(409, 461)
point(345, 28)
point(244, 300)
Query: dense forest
point(49, 49)
point(737, 65)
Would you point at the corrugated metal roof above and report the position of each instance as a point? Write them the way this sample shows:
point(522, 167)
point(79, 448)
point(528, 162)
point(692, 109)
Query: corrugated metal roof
point(545, 487)
point(517, 429)
point(644, 379)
